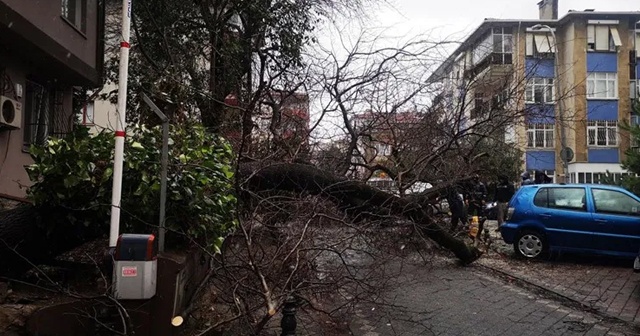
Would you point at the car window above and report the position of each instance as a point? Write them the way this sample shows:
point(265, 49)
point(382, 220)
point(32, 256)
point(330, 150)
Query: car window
point(561, 198)
point(542, 198)
point(611, 201)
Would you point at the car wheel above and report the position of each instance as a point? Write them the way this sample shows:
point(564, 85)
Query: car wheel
point(530, 244)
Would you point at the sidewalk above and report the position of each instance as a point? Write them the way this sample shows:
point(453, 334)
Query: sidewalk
point(446, 299)
point(606, 285)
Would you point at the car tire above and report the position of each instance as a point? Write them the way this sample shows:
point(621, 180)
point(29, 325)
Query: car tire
point(530, 244)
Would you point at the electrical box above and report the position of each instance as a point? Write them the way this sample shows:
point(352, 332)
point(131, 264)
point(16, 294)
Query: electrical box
point(135, 268)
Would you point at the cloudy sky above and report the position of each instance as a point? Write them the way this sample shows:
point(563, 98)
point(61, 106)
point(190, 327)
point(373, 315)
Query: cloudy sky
point(460, 17)
point(398, 21)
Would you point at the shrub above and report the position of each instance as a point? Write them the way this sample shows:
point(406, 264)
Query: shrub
point(73, 179)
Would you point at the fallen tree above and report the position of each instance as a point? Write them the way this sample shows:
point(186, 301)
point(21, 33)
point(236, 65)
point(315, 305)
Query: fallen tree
point(354, 197)
point(24, 236)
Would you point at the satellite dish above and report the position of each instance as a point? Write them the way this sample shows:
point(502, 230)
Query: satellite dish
point(566, 154)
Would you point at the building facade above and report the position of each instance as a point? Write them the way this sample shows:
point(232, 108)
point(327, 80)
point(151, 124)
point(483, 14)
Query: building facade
point(44, 54)
point(574, 78)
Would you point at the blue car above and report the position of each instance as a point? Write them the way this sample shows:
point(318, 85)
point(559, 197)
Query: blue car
point(581, 218)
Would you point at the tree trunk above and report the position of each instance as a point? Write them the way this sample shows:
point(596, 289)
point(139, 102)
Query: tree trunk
point(349, 194)
point(25, 232)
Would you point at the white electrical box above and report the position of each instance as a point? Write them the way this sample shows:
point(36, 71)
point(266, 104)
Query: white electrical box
point(135, 270)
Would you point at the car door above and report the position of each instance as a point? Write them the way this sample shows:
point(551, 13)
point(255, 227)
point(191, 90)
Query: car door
point(564, 213)
point(616, 217)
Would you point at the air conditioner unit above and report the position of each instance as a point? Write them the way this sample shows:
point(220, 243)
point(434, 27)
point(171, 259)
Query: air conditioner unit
point(11, 113)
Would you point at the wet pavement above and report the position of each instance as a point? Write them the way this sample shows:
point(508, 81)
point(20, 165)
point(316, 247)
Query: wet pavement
point(605, 284)
point(502, 295)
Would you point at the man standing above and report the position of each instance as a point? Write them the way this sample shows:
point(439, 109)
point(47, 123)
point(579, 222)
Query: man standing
point(504, 192)
point(456, 207)
point(477, 196)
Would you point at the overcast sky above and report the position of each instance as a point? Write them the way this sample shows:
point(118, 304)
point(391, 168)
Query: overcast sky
point(459, 17)
point(436, 21)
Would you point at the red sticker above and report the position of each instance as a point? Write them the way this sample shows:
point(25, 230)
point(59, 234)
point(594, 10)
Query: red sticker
point(129, 271)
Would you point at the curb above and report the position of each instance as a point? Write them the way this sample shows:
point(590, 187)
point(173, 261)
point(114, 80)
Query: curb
point(555, 295)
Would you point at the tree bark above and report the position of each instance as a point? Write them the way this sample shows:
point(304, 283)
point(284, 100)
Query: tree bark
point(348, 194)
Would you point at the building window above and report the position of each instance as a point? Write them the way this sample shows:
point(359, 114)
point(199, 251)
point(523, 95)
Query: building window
point(601, 133)
point(634, 122)
point(37, 114)
point(87, 117)
point(603, 38)
point(602, 85)
point(502, 46)
point(498, 44)
point(540, 45)
point(74, 12)
point(634, 89)
point(540, 135)
point(539, 91)
point(382, 149)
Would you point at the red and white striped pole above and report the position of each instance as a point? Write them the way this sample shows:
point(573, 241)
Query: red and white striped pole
point(120, 124)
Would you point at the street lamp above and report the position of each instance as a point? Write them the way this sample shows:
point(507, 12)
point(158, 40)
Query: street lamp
point(565, 152)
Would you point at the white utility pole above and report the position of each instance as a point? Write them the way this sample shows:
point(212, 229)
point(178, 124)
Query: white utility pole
point(120, 124)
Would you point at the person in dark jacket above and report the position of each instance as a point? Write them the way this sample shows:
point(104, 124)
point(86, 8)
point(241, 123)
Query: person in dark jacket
point(456, 207)
point(477, 196)
point(541, 178)
point(502, 196)
point(526, 178)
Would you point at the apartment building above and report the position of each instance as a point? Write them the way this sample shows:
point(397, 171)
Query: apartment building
point(574, 78)
point(46, 49)
point(380, 134)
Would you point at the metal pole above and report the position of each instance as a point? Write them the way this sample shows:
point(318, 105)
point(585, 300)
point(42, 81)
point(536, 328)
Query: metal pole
point(288, 323)
point(164, 162)
point(163, 183)
point(120, 124)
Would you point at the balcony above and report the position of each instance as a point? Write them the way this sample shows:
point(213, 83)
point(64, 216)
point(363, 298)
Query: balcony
point(494, 66)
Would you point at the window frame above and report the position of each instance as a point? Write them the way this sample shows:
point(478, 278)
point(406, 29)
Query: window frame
point(614, 212)
point(489, 46)
point(540, 44)
point(547, 85)
point(88, 118)
point(594, 32)
point(610, 129)
point(382, 149)
point(582, 208)
point(592, 84)
point(634, 89)
point(532, 131)
point(79, 21)
point(37, 119)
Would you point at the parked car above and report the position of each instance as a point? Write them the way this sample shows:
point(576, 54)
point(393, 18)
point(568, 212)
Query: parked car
point(580, 218)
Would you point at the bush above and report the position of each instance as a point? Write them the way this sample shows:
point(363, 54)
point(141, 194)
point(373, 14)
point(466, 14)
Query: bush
point(73, 178)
